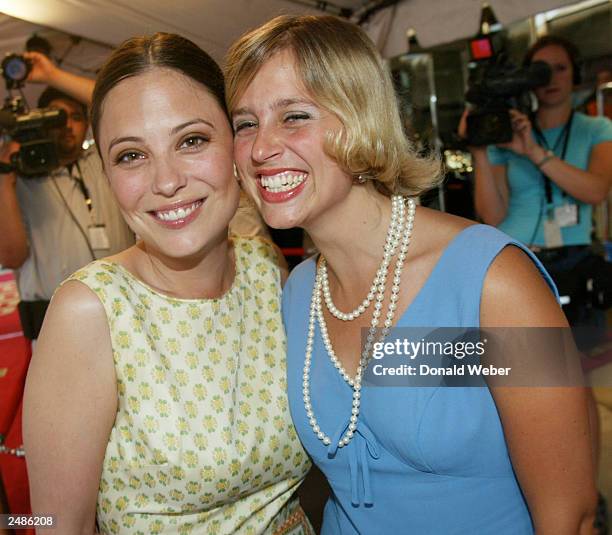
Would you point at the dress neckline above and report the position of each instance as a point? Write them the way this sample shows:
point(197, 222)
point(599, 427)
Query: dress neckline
point(238, 266)
point(434, 270)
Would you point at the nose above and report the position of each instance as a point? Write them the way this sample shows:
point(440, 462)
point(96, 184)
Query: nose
point(267, 144)
point(69, 124)
point(168, 178)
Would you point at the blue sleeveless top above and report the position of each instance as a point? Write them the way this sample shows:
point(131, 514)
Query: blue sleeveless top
point(424, 460)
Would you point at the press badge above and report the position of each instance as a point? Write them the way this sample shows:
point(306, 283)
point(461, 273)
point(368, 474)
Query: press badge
point(552, 233)
point(566, 215)
point(98, 238)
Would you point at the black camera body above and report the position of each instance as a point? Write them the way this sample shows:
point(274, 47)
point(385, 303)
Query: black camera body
point(37, 154)
point(499, 87)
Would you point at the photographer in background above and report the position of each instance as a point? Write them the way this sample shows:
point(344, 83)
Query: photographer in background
point(540, 187)
point(53, 225)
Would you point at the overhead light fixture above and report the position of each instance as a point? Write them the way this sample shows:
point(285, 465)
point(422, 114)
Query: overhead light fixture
point(488, 20)
point(412, 41)
point(482, 45)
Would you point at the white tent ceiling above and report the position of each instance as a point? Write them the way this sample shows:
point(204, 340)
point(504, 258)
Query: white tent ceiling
point(214, 24)
point(444, 21)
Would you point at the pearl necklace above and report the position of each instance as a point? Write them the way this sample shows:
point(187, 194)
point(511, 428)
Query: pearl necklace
point(316, 312)
point(380, 279)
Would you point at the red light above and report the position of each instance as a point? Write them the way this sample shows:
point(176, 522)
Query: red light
point(481, 48)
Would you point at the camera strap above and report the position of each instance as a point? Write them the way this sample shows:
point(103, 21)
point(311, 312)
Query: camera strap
point(81, 183)
point(564, 137)
point(97, 237)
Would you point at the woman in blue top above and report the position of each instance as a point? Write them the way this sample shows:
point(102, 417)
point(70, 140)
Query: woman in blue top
point(572, 150)
point(540, 187)
point(319, 145)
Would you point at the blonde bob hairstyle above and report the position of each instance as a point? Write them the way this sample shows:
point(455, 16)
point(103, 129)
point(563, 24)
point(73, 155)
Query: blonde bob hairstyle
point(341, 70)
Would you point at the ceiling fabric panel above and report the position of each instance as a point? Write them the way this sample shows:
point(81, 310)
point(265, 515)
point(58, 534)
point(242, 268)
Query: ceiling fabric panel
point(214, 24)
point(438, 22)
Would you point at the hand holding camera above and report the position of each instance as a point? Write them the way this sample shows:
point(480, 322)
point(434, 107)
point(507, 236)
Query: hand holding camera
point(42, 69)
point(7, 148)
point(496, 89)
point(522, 142)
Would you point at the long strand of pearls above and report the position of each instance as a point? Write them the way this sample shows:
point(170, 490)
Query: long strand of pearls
point(380, 279)
point(404, 232)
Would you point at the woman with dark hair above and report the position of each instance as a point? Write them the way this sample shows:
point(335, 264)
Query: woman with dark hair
point(156, 400)
point(319, 145)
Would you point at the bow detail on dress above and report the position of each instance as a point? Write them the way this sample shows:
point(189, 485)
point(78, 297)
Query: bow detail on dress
point(362, 449)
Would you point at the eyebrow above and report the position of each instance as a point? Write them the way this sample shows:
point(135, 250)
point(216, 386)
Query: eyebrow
point(174, 131)
point(118, 140)
point(178, 128)
point(282, 103)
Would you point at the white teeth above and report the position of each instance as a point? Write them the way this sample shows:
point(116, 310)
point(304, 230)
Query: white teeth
point(282, 181)
point(180, 213)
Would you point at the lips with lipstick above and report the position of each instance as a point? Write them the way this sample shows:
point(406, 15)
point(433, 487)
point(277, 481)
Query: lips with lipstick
point(177, 214)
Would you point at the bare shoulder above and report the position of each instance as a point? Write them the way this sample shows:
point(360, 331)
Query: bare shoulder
point(77, 301)
point(434, 230)
point(75, 328)
point(432, 233)
point(515, 293)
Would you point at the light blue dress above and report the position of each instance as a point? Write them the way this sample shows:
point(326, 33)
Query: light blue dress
point(423, 460)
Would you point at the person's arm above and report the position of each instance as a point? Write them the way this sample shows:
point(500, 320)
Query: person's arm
point(590, 186)
point(491, 192)
point(44, 71)
point(70, 404)
point(14, 247)
point(546, 428)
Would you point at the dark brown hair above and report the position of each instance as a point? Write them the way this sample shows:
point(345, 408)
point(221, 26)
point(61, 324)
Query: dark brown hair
point(166, 50)
point(50, 94)
point(555, 40)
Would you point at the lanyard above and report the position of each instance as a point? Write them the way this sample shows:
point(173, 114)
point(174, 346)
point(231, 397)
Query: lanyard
point(563, 136)
point(81, 183)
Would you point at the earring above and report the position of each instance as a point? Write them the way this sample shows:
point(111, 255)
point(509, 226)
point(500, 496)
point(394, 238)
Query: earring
point(361, 179)
point(236, 172)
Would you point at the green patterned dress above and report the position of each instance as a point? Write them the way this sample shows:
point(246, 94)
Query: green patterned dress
point(203, 442)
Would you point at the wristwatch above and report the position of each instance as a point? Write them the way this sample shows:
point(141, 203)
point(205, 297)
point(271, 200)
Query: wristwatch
point(548, 155)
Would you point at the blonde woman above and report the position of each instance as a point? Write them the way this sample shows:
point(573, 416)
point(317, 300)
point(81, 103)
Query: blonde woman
point(319, 145)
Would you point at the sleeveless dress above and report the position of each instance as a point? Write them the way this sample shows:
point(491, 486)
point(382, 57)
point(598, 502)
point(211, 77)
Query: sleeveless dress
point(424, 460)
point(203, 442)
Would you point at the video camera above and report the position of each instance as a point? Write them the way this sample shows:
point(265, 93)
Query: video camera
point(499, 86)
point(37, 154)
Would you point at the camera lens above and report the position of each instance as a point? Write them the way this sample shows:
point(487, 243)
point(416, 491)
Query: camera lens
point(15, 68)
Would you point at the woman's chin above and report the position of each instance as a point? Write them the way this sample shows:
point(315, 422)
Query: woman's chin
point(280, 218)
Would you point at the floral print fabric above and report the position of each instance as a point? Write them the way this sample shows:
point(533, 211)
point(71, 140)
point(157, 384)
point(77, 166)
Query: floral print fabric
point(203, 441)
